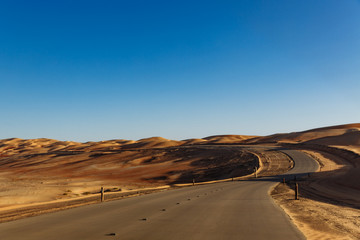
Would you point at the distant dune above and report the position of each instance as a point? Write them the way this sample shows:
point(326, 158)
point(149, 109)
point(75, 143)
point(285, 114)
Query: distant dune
point(341, 135)
point(227, 138)
point(194, 141)
point(350, 137)
point(153, 142)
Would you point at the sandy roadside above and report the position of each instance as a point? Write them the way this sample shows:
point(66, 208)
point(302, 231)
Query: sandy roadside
point(318, 214)
point(12, 213)
point(318, 220)
point(19, 211)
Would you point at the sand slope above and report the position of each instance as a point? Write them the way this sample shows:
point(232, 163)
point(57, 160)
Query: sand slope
point(336, 135)
point(227, 138)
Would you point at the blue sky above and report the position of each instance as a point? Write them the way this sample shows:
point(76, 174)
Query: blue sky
point(97, 70)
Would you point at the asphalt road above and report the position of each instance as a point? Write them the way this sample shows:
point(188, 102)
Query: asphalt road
point(230, 210)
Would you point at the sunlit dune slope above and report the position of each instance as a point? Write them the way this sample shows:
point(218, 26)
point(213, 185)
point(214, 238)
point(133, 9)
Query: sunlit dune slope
point(194, 141)
point(342, 135)
point(227, 138)
point(153, 142)
point(350, 137)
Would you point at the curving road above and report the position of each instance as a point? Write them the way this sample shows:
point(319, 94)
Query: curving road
point(230, 210)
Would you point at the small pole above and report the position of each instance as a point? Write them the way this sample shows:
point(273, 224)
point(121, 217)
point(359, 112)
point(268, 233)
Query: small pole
point(255, 170)
point(193, 181)
point(296, 191)
point(283, 180)
point(295, 178)
point(102, 194)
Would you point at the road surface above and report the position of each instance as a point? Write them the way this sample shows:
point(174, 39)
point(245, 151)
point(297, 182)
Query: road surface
point(230, 210)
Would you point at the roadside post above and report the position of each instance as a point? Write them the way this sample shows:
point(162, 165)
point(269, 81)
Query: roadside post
point(193, 181)
point(102, 194)
point(255, 170)
point(296, 191)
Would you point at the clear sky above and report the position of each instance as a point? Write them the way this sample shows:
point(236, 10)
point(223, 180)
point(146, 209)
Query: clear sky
point(116, 69)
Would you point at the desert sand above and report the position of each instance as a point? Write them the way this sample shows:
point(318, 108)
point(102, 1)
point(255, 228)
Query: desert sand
point(329, 205)
point(41, 172)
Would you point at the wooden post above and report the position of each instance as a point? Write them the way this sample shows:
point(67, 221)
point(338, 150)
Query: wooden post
point(193, 181)
point(102, 194)
point(296, 191)
point(255, 170)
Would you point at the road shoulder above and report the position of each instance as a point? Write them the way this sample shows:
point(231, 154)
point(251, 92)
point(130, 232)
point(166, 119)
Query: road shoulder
point(320, 212)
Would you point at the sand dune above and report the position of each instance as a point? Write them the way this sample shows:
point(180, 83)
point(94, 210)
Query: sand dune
point(153, 142)
point(193, 141)
point(44, 169)
point(350, 138)
point(227, 138)
point(343, 126)
point(341, 135)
